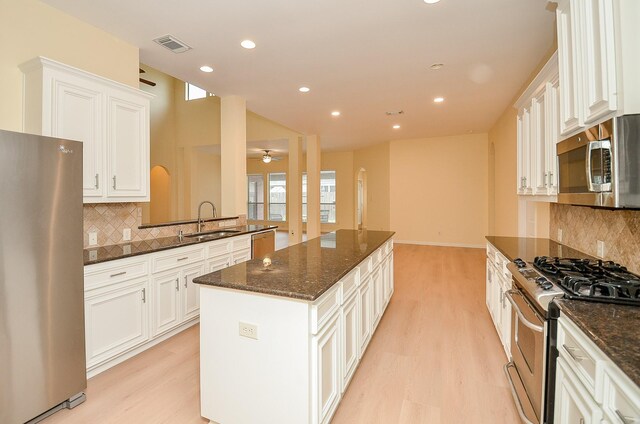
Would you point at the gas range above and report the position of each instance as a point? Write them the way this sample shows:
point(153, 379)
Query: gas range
point(584, 279)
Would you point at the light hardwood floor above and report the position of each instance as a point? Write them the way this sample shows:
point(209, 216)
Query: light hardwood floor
point(435, 359)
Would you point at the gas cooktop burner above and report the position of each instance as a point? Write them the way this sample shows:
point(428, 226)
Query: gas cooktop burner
point(592, 279)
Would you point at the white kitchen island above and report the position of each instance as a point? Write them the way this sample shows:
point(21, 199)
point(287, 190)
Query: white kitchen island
point(279, 344)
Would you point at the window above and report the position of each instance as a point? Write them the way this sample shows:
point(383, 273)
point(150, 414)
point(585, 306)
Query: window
point(277, 196)
point(192, 92)
point(327, 197)
point(256, 197)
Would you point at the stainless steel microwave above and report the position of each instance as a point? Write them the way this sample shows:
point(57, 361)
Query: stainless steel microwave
point(601, 166)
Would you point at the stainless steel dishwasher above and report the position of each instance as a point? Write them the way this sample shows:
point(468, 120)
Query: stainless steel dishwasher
point(262, 244)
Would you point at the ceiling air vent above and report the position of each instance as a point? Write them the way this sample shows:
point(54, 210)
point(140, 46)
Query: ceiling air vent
point(172, 43)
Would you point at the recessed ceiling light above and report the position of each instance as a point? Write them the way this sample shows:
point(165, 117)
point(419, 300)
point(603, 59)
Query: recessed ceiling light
point(304, 89)
point(436, 66)
point(396, 127)
point(431, 1)
point(335, 113)
point(248, 44)
point(438, 100)
point(206, 68)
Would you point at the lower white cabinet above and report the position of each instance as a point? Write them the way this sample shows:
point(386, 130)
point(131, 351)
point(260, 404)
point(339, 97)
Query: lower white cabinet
point(326, 370)
point(133, 303)
point(305, 353)
point(350, 338)
point(499, 281)
point(573, 403)
point(365, 324)
point(116, 319)
point(377, 296)
point(590, 388)
point(176, 298)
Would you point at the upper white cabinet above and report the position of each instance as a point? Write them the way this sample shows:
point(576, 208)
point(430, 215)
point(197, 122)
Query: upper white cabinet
point(597, 62)
point(538, 122)
point(109, 118)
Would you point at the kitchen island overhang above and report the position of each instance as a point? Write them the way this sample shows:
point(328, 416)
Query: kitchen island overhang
point(281, 343)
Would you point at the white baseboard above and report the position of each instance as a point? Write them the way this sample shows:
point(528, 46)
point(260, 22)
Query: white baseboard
point(432, 243)
point(103, 366)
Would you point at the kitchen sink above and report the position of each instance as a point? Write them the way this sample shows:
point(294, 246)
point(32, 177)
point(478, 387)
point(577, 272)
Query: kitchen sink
point(210, 235)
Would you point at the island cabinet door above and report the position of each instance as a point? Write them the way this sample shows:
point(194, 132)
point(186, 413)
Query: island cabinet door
point(365, 322)
point(326, 371)
point(377, 296)
point(573, 404)
point(350, 339)
point(165, 290)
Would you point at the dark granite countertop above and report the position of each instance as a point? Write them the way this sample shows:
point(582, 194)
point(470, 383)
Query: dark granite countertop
point(95, 255)
point(303, 271)
point(527, 248)
point(615, 329)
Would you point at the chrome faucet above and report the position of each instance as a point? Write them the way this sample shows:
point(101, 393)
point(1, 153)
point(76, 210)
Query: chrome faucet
point(199, 213)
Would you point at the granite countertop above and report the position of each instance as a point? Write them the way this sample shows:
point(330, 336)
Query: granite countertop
point(303, 271)
point(95, 255)
point(527, 248)
point(615, 329)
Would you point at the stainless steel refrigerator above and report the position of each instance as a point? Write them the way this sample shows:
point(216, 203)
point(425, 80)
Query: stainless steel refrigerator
point(42, 347)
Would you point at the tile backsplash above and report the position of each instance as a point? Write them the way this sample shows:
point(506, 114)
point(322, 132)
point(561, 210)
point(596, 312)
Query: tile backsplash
point(108, 220)
point(582, 227)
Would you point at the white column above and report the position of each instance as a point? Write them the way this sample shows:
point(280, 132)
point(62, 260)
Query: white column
point(313, 186)
point(233, 140)
point(294, 191)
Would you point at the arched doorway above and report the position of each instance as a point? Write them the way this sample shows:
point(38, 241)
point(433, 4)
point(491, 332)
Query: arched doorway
point(160, 204)
point(361, 199)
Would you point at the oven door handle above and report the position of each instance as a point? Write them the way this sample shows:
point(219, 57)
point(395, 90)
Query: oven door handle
point(524, 320)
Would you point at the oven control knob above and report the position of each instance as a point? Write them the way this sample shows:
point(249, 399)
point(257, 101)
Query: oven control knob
point(546, 286)
point(519, 263)
point(541, 280)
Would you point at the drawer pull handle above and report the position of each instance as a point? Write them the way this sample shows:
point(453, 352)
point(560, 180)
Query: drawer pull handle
point(183, 259)
point(570, 350)
point(625, 420)
point(118, 274)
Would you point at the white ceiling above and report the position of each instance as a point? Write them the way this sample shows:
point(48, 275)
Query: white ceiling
point(362, 58)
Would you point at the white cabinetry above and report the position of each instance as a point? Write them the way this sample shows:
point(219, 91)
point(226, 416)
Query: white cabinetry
point(597, 61)
point(133, 303)
point(537, 133)
point(326, 370)
point(306, 352)
point(590, 388)
point(109, 118)
point(499, 281)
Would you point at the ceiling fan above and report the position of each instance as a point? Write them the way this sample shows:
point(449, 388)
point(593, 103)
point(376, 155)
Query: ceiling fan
point(146, 81)
point(267, 158)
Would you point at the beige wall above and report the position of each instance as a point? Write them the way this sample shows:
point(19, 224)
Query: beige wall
point(30, 28)
point(375, 161)
point(439, 190)
point(504, 210)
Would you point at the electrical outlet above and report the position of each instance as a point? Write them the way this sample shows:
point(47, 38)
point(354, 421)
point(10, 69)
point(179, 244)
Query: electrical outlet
point(600, 246)
point(126, 234)
point(248, 330)
point(93, 238)
point(93, 255)
point(559, 234)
